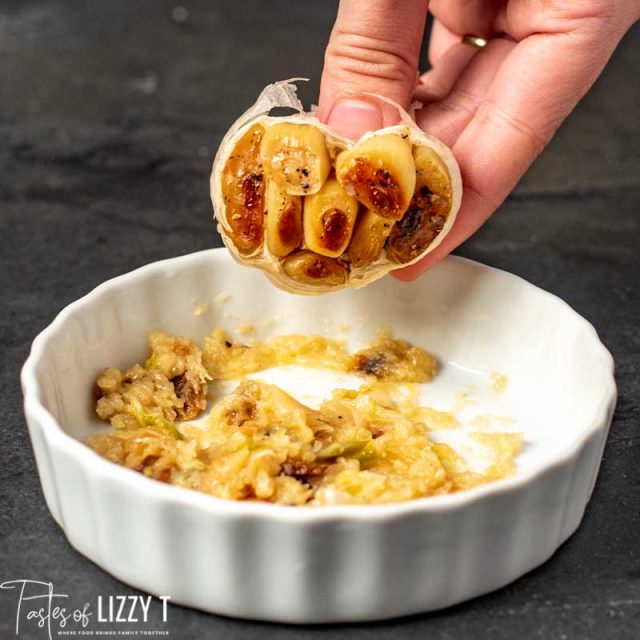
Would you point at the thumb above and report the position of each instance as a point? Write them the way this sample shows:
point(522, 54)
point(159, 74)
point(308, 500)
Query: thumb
point(374, 48)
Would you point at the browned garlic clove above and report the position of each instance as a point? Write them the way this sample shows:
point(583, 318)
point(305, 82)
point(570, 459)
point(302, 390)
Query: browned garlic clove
point(329, 218)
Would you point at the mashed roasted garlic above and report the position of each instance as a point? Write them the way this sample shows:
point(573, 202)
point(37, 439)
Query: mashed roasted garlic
point(371, 445)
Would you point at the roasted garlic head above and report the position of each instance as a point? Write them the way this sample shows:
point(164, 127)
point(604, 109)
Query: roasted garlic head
point(318, 212)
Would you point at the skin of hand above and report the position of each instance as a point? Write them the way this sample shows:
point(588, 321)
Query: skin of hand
point(496, 107)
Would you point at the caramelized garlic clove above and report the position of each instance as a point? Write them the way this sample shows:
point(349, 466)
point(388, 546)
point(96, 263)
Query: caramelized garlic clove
point(296, 157)
point(431, 172)
point(329, 218)
point(368, 239)
point(309, 268)
point(243, 191)
point(419, 227)
point(428, 211)
point(381, 173)
point(283, 216)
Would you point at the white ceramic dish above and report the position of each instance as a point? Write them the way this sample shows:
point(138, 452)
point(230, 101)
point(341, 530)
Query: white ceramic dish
point(342, 563)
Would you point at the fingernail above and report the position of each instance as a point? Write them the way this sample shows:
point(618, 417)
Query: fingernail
point(354, 118)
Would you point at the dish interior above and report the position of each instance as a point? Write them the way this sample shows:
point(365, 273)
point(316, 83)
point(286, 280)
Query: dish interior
point(477, 321)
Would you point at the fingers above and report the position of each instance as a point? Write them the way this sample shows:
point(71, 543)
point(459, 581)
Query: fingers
point(447, 118)
point(467, 16)
point(374, 48)
point(440, 40)
point(529, 97)
point(438, 83)
point(610, 18)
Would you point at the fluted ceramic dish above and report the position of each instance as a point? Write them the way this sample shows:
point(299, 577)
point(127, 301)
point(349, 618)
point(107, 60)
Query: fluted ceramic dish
point(338, 563)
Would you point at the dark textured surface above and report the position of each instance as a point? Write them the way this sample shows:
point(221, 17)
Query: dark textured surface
point(109, 114)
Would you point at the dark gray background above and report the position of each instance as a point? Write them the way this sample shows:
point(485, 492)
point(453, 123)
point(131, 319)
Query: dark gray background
point(109, 115)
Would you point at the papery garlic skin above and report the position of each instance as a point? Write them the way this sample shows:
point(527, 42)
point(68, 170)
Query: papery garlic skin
point(318, 212)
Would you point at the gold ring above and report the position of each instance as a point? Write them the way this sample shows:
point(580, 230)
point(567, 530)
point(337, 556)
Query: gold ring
point(474, 41)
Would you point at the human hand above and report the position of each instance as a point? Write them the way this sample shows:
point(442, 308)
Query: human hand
point(496, 107)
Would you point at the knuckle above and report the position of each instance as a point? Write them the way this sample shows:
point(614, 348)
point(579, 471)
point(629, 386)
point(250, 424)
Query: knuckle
point(351, 53)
